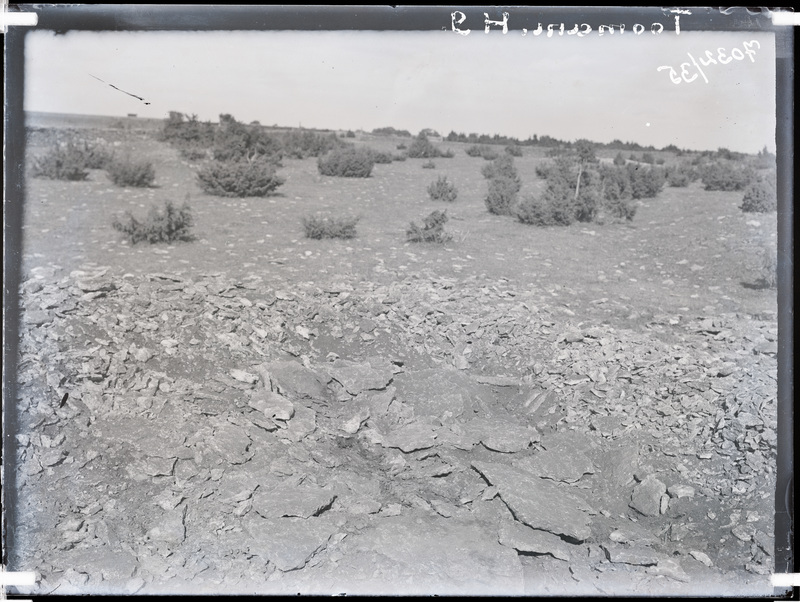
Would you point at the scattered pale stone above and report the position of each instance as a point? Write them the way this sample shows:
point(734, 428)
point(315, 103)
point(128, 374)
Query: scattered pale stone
point(701, 557)
point(143, 355)
point(231, 442)
point(357, 377)
point(742, 532)
point(296, 381)
point(244, 377)
point(668, 567)
point(680, 491)
point(274, 405)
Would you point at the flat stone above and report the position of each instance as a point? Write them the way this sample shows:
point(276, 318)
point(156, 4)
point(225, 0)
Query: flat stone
point(411, 437)
point(433, 556)
point(537, 502)
point(170, 528)
point(302, 424)
point(561, 460)
point(302, 501)
point(274, 405)
point(637, 555)
point(358, 377)
point(436, 391)
point(524, 539)
point(667, 567)
point(502, 435)
point(618, 463)
point(231, 442)
point(114, 566)
point(298, 382)
point(646, 497)
point(288, 543)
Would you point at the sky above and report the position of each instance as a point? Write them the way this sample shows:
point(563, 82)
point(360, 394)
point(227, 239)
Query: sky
point(600, 88)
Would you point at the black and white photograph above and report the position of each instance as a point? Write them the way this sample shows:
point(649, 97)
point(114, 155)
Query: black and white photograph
point(385, 301)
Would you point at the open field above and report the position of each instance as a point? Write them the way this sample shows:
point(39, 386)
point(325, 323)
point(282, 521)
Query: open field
point(521, 410)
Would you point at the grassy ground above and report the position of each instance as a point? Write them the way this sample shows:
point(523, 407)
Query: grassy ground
point(687, 252)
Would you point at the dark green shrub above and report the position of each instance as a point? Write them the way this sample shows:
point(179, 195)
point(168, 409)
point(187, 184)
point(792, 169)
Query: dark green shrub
point(300, 144)
point(646, 182)
point(401, 146)
point(350, 134)
point(181, 129)
point(235, 141)
point(681, 175)
point(432, 229)
point(442, 190)
point(96, 156)
point(514, 150)
point(399, 157)
point(382, 157)
point(131, 173)
point(502, 167)
point(648, 158)
point(535, 211)
point(727, 175)
point(170, 225)
point(422, 148)
point(482, 150)
point(347, 163)
point(65, 162)
point(429, 165)
point(502, 195)
point(240, 179)
point(619, 159)
point(319, 227)
point(760, 197)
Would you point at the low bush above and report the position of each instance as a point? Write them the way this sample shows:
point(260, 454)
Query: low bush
point(170, 225)
point(400, 157)
point(422, 148)
point(514, 150)
point(382, 157)
point(502, 167)
point(131, 173)
point(96, 156)
point(319, 227)
point(429, 165)
point(760, 197)
point(646, 182)
point(442, 190)
point(727, 176)
point(62, 162)
point(240, 179)
point(432, 229)
point(681, 175)
point(619, 159)
point(502, 195)
point(300, 144)
point(482, 150)
point(535, 211)
point(347, 163)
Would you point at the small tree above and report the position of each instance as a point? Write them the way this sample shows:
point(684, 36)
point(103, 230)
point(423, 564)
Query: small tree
point(442, 190)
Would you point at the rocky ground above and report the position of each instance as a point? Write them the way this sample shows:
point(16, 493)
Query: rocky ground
point(426, 435)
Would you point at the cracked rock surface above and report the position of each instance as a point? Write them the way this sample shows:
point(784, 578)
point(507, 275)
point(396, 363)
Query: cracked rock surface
point(215, 435)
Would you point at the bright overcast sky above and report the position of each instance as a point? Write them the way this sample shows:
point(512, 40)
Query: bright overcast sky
point(600, 88)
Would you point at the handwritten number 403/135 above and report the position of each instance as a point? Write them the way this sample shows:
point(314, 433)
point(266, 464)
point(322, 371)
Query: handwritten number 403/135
point(721, 57)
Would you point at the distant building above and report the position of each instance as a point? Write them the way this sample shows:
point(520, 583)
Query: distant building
point(131, 114)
